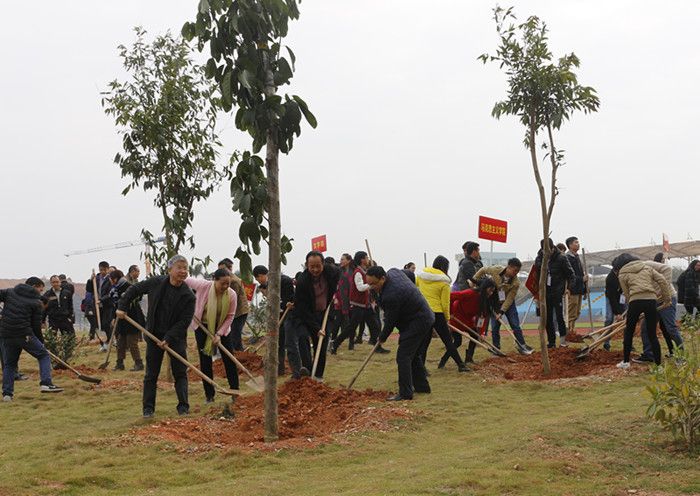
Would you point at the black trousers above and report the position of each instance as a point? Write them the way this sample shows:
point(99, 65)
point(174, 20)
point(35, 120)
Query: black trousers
point(154, 360)
point(281, 349)
point(555, 309)
point(92, 320)
point(358, 316)
point(412, 376)
point(205, 363)
point(298, 346)
point(237, 331)
point(446, 336)
point(62, 324)
point(634, 310)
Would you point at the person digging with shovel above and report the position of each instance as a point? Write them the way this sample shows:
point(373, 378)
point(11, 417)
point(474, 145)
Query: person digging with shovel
point(20, 329)
point(171, 305)
point(215, 306)
point(473, 308)
point(407, 310)
point(127, 335)
point(507, 285)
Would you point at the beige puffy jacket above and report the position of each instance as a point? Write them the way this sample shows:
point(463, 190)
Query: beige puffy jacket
point(640, 282)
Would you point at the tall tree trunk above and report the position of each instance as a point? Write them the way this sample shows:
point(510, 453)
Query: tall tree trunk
point(545, 258)
point(274, 277)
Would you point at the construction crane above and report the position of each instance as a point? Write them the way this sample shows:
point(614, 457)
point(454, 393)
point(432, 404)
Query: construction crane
point(124, 244)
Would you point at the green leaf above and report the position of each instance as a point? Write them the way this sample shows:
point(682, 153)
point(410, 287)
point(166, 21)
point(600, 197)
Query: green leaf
point(246, 78)
point(226, 90)
point(305, 110)
point(292, 57)
point(203, 6)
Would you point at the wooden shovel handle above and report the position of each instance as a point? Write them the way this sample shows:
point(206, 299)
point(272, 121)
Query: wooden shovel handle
point(223, 349)
point(321, 335)
point(364, 364)
point(177, 356)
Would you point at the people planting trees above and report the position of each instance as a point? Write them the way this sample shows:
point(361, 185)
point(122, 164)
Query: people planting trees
point(558, 274)
point(171, 305)
point(642, 286)
point(215, 306)
point(314, 292)
point(472, 308)
point(127, 335)
point(20, 329)
point(407, 310)
point(503, 300)
point(434, 284)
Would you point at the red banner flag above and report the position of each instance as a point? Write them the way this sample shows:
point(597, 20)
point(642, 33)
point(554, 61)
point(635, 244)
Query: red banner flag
point(249, 290)
point(493, 229)
point(319, 243)
point(533, 282)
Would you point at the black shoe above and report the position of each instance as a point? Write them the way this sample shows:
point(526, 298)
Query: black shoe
point(138, 366)
point(351, 346)
point(185, 411)
point(148, 413)
point(50, 388)
point(606, 347)
point(304, 372)
point(464, 368)
point(382, 351)
point(643, 359)
point(210, 399)
point(398, 397)
point(550, 346)
point(119, 366)
point(21, 377)
point(334, 349)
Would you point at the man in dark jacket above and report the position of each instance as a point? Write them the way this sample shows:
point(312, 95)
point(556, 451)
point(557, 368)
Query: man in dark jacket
point(59, 308)
point(171, 306)
point(92, 300)
point(20, 329)
point(314, 292)
point(260, 273)
point(559, 274)
point(577, 288)
point(127, 335)
point(66, 284)
point(406, 309)
point(470, 265)
point(691, 291)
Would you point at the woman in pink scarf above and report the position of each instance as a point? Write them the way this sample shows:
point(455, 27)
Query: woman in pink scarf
point(215, 307)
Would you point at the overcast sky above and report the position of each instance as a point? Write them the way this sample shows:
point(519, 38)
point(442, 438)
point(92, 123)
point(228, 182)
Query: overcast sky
point(406, 153)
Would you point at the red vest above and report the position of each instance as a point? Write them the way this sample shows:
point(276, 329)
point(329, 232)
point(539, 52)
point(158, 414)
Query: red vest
point(358, 298)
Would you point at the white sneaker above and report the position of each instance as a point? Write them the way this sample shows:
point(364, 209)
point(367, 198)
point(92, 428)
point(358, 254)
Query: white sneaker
point(51, 388)
point(7, 398)
point(103, 348)
point(623, 365)
point(562, 342)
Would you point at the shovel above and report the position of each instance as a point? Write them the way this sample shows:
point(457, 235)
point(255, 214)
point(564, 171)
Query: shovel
point(364, 364)
point(109, 346)
point(619, 326)
point(164, 345)
point(321, 335)
point(484, 344)
point(518, 345)
point(96, 299)
point(253, 382)
point(82, 377)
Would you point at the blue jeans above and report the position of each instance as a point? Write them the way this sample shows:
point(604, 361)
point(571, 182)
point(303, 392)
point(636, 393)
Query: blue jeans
point(669, 329)
point(609, 318)
point(514, 322)
point(11, 349)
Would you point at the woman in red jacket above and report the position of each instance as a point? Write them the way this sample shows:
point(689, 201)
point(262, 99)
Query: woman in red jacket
point(470, 307)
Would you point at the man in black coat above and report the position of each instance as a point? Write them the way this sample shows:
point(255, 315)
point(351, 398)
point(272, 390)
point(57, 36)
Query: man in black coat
point(577, 289)
point(127, 335)
point(559, 274)
point(260, 273)
point(314, 292)
point(59, 308)
point(406, 309)
point(470, 265)
point(20, 329)
point(171, 306)
point(615, 304)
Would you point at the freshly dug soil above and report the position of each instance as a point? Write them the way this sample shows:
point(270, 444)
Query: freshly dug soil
point(251, 361)
point(310, 414)
point(562, 360)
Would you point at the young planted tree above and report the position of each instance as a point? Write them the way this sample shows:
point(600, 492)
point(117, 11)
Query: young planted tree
point(245, 42)
point(166, 117)
point(543, 94)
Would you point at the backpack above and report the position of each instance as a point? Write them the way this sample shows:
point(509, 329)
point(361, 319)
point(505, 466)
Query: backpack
point(681, 287)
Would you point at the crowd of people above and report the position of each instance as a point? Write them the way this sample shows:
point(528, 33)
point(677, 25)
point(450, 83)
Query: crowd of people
point(329, 303)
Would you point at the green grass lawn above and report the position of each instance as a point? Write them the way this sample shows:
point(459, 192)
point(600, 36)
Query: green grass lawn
point(468, 437)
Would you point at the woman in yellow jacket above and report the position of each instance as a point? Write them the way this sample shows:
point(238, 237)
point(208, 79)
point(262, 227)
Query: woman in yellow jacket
point(434, 284)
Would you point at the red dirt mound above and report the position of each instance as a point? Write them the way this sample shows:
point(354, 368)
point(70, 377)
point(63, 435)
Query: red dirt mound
point(251, 361)
point(563, 363)
point(310, 414)
point(574, 337)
